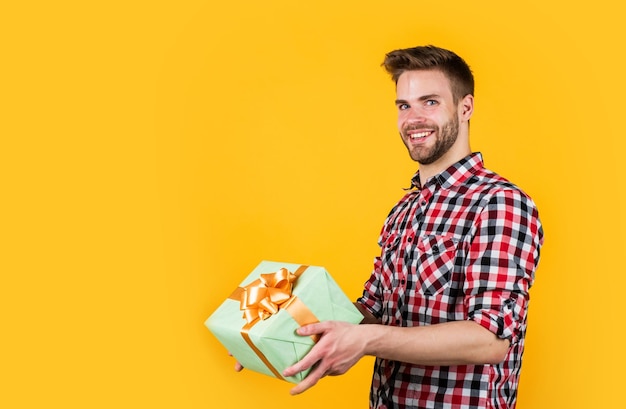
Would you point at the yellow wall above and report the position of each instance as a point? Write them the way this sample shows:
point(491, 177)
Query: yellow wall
point(153, 152)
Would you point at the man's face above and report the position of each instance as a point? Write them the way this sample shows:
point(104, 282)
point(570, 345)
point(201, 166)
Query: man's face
point(427, 115)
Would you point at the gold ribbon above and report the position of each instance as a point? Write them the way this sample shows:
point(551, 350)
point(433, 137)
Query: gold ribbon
point(265, 297)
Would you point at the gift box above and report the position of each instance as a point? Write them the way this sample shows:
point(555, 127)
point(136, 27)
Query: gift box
point(257, 323)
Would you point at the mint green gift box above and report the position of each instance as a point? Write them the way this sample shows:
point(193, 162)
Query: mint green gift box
point(272, 344)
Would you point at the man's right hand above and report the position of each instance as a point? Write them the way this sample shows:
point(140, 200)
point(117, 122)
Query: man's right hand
point(238, 366)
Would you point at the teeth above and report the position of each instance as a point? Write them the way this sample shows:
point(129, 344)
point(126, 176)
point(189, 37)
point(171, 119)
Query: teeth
point(420, 134)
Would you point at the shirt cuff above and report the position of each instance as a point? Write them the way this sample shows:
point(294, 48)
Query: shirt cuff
point(507, 323)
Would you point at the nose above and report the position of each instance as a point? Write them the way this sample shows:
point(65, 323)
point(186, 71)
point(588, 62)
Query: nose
point(414, 114)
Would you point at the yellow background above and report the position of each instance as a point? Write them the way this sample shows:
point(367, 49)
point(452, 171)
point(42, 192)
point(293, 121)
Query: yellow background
point(152, 153)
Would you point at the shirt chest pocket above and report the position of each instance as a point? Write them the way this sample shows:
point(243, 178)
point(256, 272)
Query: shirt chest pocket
point(433, 263)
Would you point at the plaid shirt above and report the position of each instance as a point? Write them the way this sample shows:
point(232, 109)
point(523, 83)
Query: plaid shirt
point(464, 246)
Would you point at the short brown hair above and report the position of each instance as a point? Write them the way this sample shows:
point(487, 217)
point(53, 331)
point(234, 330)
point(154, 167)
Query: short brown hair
point(432, 58)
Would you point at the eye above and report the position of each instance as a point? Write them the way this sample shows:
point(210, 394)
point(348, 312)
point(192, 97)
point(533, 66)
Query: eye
point(431, 102)
point(402, 107)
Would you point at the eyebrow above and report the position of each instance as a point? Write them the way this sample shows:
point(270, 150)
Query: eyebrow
point(422, 98)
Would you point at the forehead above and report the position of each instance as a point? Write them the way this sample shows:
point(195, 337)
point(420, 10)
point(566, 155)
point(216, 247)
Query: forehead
point(416, 83)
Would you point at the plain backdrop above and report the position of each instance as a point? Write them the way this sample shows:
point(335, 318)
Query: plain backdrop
point(153, 152)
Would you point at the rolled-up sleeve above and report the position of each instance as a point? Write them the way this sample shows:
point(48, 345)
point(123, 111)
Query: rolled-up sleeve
point(371, 298)
point(501, 262)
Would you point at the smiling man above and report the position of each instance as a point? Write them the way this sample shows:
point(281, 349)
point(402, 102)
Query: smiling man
point(446, 304)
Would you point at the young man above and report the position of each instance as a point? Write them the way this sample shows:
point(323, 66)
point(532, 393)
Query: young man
point(446, 303)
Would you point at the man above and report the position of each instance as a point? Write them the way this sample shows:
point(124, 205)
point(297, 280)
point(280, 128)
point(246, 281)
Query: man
point(447, 300)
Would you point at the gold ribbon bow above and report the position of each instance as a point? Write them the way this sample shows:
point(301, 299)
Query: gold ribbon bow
point(263, 297)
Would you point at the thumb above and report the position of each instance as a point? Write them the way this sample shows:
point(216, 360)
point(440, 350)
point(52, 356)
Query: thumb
point(311, 329)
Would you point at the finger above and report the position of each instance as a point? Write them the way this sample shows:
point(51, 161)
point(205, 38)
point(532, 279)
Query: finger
point(238, 366)
point(305, 363)
point(312, 329)
point(311, 380)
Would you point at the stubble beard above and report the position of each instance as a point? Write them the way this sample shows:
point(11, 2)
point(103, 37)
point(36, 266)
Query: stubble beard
point(446, 136)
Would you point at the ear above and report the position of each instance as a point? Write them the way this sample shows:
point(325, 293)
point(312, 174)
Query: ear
point(466, 107)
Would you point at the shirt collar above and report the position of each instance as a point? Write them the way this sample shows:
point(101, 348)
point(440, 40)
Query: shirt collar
point(455, 174)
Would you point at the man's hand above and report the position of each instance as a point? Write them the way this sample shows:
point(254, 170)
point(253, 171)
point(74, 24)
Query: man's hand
point(340, 347)
point(238, 366)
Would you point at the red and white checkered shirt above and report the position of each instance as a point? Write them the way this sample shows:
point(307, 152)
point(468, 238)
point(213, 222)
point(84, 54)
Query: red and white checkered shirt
point(464, 246)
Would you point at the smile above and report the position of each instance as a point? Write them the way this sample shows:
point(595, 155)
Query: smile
point(420, 135)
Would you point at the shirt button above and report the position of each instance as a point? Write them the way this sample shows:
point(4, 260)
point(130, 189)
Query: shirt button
point(402, 281)
point(423, 202)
